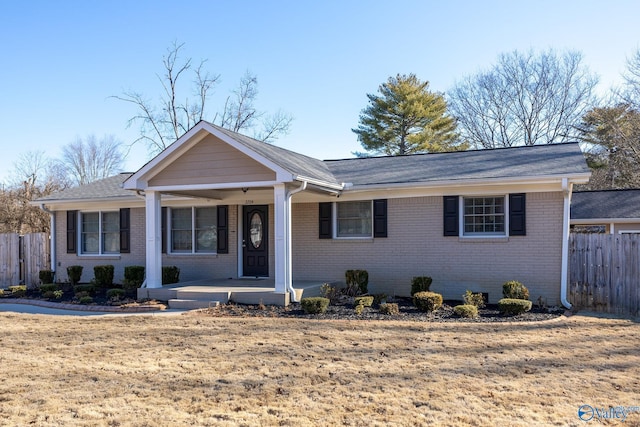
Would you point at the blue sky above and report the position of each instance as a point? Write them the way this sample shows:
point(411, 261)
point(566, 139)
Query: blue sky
point(63, 60)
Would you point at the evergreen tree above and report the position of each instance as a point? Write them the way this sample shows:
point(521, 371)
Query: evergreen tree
point(406, 118)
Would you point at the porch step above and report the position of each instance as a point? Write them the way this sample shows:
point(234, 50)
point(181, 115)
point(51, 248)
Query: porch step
point(203, 295)
point(192, 304)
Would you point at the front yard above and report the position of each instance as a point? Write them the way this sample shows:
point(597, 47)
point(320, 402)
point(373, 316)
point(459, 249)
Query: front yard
point(195, 369)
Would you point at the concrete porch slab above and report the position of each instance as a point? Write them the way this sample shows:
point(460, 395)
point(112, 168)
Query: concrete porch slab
point(241, 291)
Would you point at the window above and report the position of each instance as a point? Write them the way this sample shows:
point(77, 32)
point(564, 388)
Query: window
point(100, 233)
point(194, 230)
point(484, 216)
point(353, 219)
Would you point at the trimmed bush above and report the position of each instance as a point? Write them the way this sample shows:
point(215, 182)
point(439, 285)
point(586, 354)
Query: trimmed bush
point(390, 308)
point(74, 272)
point(365, 301)
point(46, 276)
point(115, 294)
point(476, 300)
point(18, 291)
point(513, 306)
point(359, 309)
point(104, 276)
point(420, 284)
point(357, 281)
point(88, 289)
point(170, 274)
point(47, 287)
point(86, 300)
point(133, 277)
point(314, 305)
point(427, 301)
point(467, 310)
point(515, 290)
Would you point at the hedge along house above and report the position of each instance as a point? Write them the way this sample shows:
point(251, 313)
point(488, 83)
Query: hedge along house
point(220, 205)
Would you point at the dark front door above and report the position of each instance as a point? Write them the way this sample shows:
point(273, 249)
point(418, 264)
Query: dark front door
point(255, 244)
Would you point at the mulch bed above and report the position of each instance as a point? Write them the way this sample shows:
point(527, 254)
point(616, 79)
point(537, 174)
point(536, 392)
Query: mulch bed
point(345, 310)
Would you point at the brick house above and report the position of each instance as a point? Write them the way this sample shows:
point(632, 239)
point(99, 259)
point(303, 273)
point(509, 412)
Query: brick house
point(220, 205)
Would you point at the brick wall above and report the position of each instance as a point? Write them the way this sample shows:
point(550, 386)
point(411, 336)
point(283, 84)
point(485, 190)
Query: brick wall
point(416, 246)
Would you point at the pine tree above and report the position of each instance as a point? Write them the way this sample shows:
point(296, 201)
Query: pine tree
point(406, 118)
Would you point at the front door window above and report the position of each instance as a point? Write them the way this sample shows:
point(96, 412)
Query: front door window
point(256, 230)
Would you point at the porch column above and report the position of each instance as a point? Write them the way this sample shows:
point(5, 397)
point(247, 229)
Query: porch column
point(153, 216)
point(281, 220)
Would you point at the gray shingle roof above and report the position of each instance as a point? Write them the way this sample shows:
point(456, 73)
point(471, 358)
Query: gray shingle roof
point(103, 189)
point(605, 204)
point(295, 163)
point(539, 160)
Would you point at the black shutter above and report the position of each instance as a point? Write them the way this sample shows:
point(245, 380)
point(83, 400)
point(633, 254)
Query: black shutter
point(125, 231)
point(163, 228)
point(72, 232)
point(325, 231)
point(223, 229)
point(380, 218)
point(517, 217)
point(451, 216)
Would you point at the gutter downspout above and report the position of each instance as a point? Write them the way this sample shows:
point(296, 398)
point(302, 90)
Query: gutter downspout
point(289, 280)
point(52, 237)
point(566, 190)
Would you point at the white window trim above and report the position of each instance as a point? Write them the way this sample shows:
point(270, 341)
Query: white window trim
point(100, 253)
point(334, 220)
point(169, 236)
point(462, 235)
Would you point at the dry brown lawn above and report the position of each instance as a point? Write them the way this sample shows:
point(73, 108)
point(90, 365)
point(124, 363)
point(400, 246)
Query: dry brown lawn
point(199, 370)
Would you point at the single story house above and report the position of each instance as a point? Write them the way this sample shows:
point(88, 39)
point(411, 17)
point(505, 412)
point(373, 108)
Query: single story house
point(220, 205)
point(606, 211)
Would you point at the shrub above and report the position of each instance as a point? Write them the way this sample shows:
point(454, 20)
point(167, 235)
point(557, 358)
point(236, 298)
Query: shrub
point(46, 276)
point(427, 301)
point(515, 290)
point(1, 292)
point(466, 310)
point(103, 275)
point(357, 280)
point(420, 284)
point(513, 306)
point(115, 294)
point(18, 291)
point(476, 300)
point(58, 294)
point(330, 292)
point(366, 301)
point(359, 309)
point(81, 294)
point(86, 300)
point(47, 287)
point(314, 305)
point(74, 272)
point(88, 289)
point(389, 308)
point(133, 277)
point(170, 274)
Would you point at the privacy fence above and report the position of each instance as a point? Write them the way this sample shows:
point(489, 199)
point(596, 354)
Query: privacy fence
point(22, 258)
point(604, 272)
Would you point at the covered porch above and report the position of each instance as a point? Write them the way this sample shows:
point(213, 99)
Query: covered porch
point(207, 293)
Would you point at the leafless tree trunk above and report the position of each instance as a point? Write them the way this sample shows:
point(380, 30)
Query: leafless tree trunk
point(525, 99)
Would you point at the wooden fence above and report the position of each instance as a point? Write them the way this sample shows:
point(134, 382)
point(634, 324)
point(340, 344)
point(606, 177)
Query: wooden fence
point(22, 258)
point(604, 272)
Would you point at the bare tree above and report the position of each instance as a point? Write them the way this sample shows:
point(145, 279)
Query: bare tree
point(34, 176)
point(525, 99)
point(160, 126)
point(91, 159)
point(631, 90)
